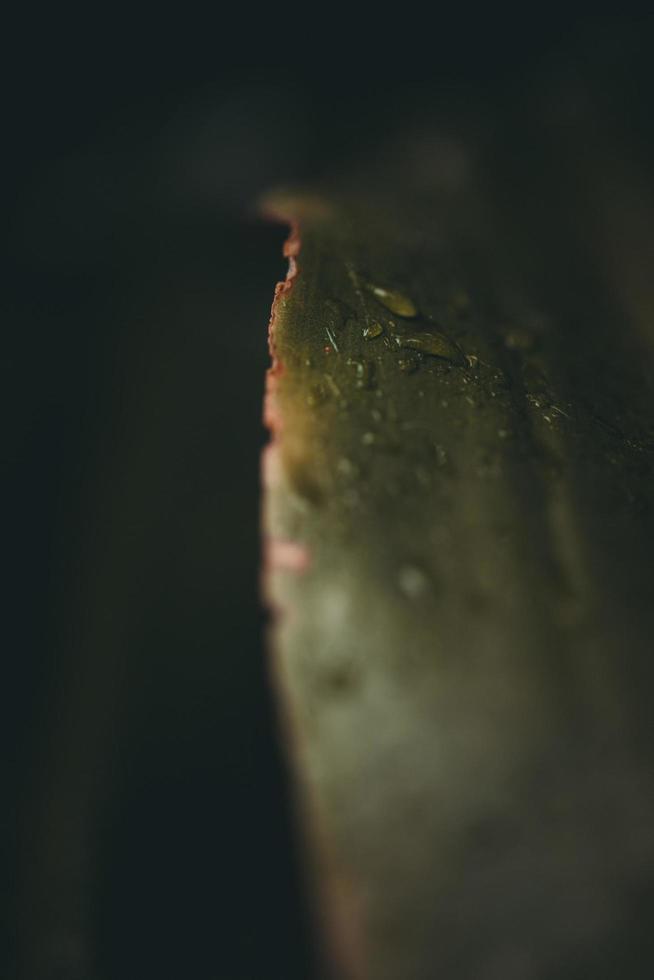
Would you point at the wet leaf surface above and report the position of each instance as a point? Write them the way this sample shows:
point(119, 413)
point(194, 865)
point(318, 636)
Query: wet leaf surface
point(464, 657)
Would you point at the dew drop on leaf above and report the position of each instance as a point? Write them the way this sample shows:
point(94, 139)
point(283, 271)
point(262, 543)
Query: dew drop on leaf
point(372, 330)
point(412, 582)
point(394, 301)
point(365, 373)
point(408, 365)
point(434, 344)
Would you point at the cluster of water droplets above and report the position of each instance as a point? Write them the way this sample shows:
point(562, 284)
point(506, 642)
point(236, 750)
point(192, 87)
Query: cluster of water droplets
point(388, 326)
point(408, 333)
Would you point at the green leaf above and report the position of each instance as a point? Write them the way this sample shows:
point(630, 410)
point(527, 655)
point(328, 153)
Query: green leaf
point(458, 533)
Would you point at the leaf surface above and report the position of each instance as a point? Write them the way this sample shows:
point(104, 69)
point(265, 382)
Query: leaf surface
point(458, 533)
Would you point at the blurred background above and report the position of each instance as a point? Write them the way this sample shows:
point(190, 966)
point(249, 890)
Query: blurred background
point(147, 829)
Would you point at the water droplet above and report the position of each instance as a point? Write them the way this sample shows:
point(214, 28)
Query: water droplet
point(372, 330)
point(408, 365)
point(368, 438)
point(412, 582)
point(394, 301)
point(434, 344)
point(365, 373)
point(346, 466)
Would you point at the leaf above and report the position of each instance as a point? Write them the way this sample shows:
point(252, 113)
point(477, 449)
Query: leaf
point(458, 532)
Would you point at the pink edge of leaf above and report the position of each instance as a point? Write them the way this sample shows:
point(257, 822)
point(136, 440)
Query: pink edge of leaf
point(341, 908)
point(271, 415)
point(286, 555)
point(278, 554)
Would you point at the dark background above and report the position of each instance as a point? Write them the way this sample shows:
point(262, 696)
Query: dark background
point(146, 830)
